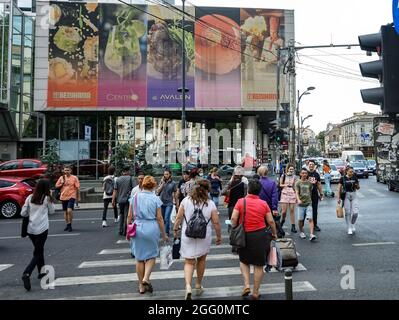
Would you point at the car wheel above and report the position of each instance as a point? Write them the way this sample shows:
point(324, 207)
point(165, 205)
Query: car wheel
point(9, 209)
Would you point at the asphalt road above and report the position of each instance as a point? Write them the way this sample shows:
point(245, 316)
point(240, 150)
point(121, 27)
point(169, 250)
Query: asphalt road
point(83, 270)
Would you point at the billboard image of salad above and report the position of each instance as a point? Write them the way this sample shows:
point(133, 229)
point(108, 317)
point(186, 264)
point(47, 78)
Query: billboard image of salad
point(217, 57)
point(122, 80)
point(73, 54)
point(165, 58)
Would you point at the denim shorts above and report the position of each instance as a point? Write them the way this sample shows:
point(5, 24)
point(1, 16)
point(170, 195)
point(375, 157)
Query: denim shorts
point(305, 211)
point(68, 204)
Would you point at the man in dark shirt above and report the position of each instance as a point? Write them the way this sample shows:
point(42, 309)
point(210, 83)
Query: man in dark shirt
point(317, 191)
point(182, 182)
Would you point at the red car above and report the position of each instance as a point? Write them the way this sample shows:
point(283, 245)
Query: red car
point(341, 166)
point(13, 193)
point(24, 168)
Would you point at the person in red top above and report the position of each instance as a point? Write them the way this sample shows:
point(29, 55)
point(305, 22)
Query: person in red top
point(257, 217)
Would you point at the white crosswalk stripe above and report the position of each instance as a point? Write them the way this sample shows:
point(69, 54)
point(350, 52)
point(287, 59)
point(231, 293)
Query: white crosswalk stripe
point(360, 195)
point(127, 250)
point(5, 266)
point(377, 193)
point(157, 275)
point(219, 292)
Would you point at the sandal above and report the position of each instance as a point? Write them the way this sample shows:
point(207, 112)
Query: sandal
point(147, 286)
point(255, 297)
point(246, 292)
point(199, 290)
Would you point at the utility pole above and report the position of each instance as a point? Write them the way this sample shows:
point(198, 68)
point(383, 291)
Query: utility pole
point(277, 160)
point(183, 89)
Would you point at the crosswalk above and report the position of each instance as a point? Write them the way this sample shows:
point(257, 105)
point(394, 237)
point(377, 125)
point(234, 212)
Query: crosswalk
point(5, 266)
point(223, 277)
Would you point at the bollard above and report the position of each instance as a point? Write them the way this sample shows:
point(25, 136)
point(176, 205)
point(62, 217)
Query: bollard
point(288, 284)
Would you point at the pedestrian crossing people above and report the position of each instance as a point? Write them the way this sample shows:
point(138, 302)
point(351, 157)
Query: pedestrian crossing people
point(288, 196)
point(317, 191)
point(195, 250)
point(256, 216)
point(216, 186)
point(108, 190)
point(146, 210)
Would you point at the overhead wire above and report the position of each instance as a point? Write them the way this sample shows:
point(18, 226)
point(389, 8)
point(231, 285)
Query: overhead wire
point(335, 75)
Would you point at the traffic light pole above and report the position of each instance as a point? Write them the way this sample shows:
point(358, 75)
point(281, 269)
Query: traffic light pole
point(278, 106)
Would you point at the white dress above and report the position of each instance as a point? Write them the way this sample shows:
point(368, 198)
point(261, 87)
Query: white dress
point(194, 248)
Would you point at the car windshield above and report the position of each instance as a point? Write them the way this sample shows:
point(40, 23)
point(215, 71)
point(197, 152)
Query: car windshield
point(357, 165)
point(338, 163)
point(355, 157)
point(333, 167)
point(372, 162)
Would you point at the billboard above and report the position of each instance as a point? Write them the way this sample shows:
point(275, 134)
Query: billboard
point(115, 56)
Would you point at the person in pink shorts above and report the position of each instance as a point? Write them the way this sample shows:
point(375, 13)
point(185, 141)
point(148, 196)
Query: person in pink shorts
point(288, 197)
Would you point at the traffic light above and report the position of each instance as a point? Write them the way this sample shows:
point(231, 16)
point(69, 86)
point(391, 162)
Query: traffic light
point(386, 44)
point(285, 115)
point(272, 135)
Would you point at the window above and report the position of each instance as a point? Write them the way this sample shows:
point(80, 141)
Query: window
point(9, 166)
point(30, 165)
point(6, 184)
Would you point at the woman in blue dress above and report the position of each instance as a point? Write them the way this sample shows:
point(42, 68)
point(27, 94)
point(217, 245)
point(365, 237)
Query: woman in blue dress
point(146, 208)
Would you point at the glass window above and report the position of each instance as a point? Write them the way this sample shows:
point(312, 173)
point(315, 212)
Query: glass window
point(17, 24)
point(6, 184)
point(30, 164)
point(52, 127)
point(9, 165)
point(29, 125)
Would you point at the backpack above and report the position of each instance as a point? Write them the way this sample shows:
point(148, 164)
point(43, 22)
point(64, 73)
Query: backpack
point(197, 225)
point(109, 185)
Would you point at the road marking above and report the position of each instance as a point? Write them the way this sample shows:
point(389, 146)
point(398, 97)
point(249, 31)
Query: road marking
point(157, 275)
point(377, 193)
point(59, 220)
point(225, 237)
point(5, 266)
point(218, 292)
point(360, 195)
point(128, 250)
point(50, 235)
point(372, 244)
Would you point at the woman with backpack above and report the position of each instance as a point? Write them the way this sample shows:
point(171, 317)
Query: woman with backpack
point(288, 196)
point(37, 207)
point(196, 211)
point(108, 187)
point(348, 184)
point(257, 217)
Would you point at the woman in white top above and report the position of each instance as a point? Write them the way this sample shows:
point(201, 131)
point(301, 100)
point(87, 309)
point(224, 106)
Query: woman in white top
point(37, 206)
point(194, 250)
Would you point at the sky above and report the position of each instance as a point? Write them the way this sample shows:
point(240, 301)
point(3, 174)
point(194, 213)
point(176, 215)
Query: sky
point(322, 23)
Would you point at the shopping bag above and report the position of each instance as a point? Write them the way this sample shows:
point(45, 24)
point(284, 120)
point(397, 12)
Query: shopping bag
point(173, 215)
point(340, 211)
point(176, 248)
point(166, 258)
point(272, 258)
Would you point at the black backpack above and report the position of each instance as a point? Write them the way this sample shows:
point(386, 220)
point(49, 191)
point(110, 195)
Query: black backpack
point(197, 225)
point(109, 185)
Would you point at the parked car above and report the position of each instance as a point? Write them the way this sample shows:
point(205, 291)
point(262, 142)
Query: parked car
point(87, 167)
point(23, 168)
point(360, 169)
point(226, 170)
point(393, 185)
point(372, 166)
point(335, 174)
point(13, 193)
point(340, 165)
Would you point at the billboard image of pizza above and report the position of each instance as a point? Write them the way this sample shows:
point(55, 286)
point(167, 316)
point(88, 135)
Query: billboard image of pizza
point(217, 58)
point(73, 55)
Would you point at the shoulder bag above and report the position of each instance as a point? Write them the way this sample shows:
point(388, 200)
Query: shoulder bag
point(25, 223)
point(57, 191)
point(237, 234)
point(131, 228)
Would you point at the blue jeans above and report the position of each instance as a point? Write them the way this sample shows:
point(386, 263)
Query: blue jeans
point(166, 212)
point(215, 199)
point(327, 182)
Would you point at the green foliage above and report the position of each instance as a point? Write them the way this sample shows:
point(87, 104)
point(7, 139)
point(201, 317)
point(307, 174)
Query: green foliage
point(52, 159)
point(122, 155)
point(313, 152)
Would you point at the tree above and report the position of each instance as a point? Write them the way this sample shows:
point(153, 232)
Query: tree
point(121, 156)
point(313, 152)
point(321, 138)
point(51, 157)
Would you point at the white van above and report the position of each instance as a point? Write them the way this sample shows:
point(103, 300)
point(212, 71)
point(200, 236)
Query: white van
point(352, 156)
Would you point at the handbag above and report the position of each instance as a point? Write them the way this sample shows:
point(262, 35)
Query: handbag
point(131, 228)
point(237, 234)
point(57, 191)
point(165, 257)
point(25, 223)
point(340, 211)
point(176, 248)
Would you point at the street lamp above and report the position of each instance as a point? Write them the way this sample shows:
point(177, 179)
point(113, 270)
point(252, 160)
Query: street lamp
point(299, 124)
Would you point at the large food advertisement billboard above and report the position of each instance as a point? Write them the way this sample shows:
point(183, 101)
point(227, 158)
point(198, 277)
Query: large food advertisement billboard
point(117, 56)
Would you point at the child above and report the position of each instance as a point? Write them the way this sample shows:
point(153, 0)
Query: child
point(304, 196)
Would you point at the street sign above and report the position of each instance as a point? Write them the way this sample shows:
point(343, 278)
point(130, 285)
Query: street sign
point(87, 133)
point(395, 13)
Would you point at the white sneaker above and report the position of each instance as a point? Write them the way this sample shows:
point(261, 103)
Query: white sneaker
point(312, 237)
point(302, 235)
point(105, 224)
point(353, 228)
point(350, 232)
point(116, 220)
